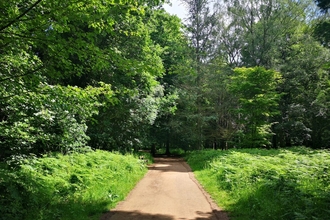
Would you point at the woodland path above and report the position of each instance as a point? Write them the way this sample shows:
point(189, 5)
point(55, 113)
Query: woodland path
point(168, 191)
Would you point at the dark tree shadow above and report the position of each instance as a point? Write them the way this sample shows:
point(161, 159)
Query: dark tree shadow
point(135, 215)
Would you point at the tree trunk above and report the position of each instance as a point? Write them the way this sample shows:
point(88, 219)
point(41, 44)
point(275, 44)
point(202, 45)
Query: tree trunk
point(168, 144)
point(153, 149)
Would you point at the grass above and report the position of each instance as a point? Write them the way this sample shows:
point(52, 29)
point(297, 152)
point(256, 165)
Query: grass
point(266, 184)
point(78, 186)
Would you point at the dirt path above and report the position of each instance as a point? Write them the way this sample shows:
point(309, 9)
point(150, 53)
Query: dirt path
point(169, 191)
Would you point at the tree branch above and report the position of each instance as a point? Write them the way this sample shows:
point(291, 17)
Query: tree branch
point(25, 74)
point(21, 15)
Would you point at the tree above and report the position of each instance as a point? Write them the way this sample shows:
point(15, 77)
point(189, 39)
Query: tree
point(252, 30)
point(221, 122)
point(322, 26)
point(123, 125)
point(63, 51)
point(321, 32)
point(324, 5)
point(255, 89)
point(166, 31)
point(305, 73)
point(277, 35)
point(200, 26)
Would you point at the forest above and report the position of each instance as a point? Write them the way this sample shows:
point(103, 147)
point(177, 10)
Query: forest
point(126, 75)
point(85, 85)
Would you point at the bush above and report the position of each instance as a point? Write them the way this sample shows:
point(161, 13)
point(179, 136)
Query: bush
point(267, 184)
point(75, 186)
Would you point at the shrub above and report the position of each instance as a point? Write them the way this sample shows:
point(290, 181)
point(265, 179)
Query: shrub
point(75, 186)
point(267, 184)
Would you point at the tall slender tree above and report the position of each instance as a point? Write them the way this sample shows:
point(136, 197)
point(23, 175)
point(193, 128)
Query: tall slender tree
point(200, 27)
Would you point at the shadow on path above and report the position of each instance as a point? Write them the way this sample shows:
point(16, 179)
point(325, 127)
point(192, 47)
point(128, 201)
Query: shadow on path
point(136, 215)
point(133, 215)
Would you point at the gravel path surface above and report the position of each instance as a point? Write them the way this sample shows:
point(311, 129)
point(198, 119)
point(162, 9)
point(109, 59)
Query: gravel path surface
point(169, 191)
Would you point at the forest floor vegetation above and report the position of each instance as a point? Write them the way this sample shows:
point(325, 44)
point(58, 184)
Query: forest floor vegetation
point(260, 184)
point(77, 186)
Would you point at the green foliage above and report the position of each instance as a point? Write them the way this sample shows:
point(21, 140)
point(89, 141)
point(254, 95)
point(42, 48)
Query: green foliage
point(253, 36)
point(305, 78)
point(280, 35)
point(58, 61)
point(258, 99)
point(51, 118)
point(266, 184)
point(77, 186)
point(321, 32)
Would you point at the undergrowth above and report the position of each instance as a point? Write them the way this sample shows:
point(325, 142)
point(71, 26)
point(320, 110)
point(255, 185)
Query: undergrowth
point(78, 186)
point(266, 184)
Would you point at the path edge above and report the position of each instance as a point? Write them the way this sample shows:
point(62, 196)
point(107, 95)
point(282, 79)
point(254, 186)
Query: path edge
point(217, 211)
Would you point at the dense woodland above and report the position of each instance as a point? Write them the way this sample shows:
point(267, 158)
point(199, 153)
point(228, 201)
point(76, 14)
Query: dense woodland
point(124, 75)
